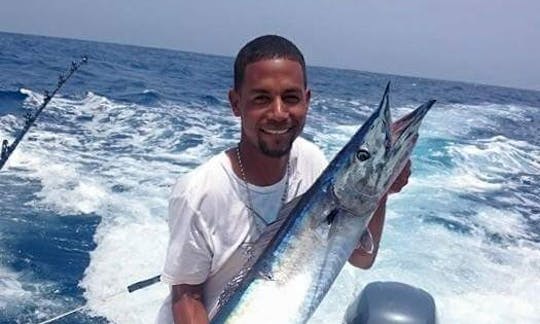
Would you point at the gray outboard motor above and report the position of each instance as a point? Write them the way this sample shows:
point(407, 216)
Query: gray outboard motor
point(392, 303)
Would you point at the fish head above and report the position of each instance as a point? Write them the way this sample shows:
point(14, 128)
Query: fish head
point(361, 171)
point(366, 167)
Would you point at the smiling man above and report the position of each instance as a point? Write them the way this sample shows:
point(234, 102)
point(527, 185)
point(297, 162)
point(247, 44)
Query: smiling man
point(221, 207)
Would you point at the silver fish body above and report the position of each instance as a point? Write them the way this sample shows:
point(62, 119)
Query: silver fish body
point(299, 256)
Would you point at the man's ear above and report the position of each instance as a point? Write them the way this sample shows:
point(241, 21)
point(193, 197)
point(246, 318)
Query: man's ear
point(234, 99)
point(308, 96)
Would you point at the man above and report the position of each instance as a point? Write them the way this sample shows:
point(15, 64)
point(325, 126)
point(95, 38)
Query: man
point(221, 207)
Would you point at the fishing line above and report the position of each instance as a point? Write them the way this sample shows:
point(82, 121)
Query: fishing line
point(129, 289)
point(8, 149)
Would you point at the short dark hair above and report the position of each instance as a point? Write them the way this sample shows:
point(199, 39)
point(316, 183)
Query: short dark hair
point(263, 48)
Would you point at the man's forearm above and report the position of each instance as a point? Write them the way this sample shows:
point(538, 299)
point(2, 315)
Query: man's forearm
point(363, 259)
point(187, 305)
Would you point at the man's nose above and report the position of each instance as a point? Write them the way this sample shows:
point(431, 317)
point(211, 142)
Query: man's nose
point(280, 110)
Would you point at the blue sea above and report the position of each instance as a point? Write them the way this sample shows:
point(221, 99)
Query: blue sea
point(84, 196)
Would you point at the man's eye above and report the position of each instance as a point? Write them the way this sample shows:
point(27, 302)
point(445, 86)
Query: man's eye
point(261, 99)
point(291, 99)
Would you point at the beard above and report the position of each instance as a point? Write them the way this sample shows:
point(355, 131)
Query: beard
point(278, 150)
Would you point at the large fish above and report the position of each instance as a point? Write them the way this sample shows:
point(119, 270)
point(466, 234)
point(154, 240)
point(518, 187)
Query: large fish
point(298, 257)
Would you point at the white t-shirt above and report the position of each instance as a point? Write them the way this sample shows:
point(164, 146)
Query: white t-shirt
point(209, 221)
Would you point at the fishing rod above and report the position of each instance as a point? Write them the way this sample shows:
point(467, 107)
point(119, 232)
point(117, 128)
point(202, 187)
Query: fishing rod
point(30, 117)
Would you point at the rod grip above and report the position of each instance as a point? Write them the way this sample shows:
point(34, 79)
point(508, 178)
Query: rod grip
point(142, 284)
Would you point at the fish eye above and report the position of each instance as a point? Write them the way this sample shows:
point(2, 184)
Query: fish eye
point(363, 154)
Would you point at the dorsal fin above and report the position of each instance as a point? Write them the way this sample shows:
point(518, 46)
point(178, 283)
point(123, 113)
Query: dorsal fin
point(256, 249)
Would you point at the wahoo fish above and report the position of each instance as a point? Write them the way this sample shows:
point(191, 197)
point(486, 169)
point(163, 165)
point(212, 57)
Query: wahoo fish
point(298, 257)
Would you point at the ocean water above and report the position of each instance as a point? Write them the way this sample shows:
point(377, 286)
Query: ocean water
point(84, 196)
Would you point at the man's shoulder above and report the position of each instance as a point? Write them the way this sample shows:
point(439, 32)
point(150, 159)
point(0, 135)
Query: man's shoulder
point(307, 163)
point(305, 149)
point(203, 179)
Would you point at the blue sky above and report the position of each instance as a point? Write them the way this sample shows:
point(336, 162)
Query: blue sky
point(487, 41)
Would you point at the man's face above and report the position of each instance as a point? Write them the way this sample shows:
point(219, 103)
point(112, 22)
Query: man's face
point(272, 103)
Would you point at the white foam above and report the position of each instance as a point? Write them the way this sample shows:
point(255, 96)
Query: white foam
point(19, 289)
point(498, 155)
point(482, 165)
point(509, 292)
point(127, 253)
point(506, 223)
point(11, 290)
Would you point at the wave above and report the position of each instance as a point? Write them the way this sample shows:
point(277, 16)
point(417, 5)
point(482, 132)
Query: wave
point(12, 95)
point(24, 299)
point(480, 188)
point(211, 100)
point(11, 102)
point(11, 290)
point(146, 97)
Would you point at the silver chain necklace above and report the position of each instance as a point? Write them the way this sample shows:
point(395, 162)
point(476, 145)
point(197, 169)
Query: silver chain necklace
point(250, 205)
